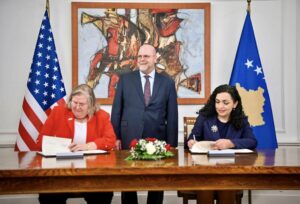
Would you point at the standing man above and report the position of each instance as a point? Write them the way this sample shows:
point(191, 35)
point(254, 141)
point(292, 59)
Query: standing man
point(145, 105)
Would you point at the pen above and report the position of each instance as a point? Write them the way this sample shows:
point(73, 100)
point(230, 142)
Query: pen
point(194, 137)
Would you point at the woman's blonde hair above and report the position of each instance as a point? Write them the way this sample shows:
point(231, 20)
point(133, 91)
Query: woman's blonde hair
point(84, 89)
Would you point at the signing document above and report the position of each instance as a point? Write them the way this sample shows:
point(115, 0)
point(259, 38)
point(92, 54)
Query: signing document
point(58, 146)
point(206, 147)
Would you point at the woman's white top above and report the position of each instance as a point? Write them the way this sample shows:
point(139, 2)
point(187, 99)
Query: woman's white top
point(80, 133)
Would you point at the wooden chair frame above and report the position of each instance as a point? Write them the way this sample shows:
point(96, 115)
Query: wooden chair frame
point(187, 121)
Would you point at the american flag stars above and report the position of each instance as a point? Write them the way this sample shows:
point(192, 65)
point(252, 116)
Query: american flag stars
point(45, 79)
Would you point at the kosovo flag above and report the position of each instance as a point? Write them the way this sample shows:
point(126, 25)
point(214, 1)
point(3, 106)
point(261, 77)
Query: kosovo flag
point(248, 77)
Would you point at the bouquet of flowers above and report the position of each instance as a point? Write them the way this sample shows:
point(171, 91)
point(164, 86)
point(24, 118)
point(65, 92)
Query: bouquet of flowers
point(149, 149)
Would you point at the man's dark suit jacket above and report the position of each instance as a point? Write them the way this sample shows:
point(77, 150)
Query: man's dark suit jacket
point(132, 119)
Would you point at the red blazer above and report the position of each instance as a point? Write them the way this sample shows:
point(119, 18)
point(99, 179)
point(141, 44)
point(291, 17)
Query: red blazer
point(61, 123)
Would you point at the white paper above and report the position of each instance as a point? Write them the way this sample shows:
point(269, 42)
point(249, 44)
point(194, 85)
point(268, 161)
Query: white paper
point(240, 151)
point(204, 147)
point(95, 151)
point(230, 151)
point(52, 145)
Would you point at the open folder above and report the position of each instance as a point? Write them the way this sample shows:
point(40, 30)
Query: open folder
point(205, 147)
point(59, 147)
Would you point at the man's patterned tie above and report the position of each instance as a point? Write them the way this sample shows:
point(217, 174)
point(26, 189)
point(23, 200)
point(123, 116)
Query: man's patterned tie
point(147, 91)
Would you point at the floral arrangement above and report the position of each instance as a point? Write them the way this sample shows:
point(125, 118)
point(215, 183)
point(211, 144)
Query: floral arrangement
point(149, 149)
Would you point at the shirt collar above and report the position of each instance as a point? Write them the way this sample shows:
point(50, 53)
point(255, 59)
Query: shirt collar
point(151, 74)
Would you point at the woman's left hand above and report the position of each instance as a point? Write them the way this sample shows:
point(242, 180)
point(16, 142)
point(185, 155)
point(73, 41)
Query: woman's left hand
point(82, 147)
point(223, 144)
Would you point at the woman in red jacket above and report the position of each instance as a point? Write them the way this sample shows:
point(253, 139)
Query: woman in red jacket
point(89, 128)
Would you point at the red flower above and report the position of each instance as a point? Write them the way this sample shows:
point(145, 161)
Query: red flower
point(150, 139)
point(168, 147)
point(133, 143)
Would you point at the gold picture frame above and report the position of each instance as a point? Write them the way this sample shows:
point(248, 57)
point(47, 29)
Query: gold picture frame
point(106, 37)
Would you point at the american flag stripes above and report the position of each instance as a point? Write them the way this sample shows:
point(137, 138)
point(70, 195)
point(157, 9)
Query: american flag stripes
point(44, 90)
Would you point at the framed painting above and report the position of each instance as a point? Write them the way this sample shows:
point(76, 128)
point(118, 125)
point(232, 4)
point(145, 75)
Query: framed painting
point(106, 38)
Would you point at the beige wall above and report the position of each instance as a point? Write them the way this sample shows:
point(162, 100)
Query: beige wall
point(275, 24)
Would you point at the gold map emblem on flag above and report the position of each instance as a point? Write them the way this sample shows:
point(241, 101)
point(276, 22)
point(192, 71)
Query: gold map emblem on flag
point(253, 103)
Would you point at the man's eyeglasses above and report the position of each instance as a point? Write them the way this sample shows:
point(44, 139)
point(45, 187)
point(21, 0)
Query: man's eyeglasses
point(144, 56)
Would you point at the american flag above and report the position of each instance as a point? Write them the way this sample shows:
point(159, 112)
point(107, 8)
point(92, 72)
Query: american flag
point(44, 90)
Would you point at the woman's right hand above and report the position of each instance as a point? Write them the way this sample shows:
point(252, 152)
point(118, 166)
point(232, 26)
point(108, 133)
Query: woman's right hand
point(82, 147)
point(191, 142)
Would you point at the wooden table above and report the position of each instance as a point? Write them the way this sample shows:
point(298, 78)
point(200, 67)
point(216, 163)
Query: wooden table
point(28, 172)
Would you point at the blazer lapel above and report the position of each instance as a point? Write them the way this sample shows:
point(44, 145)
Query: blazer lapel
point(156, 85)
point(231, 132)
point(89, 130)
point(71, 122)
point(138, 83)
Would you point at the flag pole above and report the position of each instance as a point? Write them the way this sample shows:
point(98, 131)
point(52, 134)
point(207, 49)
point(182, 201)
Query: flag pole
point(248, 7)
point(48, 8)
point(249, 191)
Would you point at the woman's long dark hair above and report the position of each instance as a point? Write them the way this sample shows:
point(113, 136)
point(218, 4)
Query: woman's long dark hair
point(236, 116)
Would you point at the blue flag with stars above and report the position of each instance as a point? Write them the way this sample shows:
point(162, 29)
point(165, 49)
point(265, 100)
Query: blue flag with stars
point(248, 77)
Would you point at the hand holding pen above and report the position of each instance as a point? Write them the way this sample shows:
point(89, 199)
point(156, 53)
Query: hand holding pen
point(191, 142)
